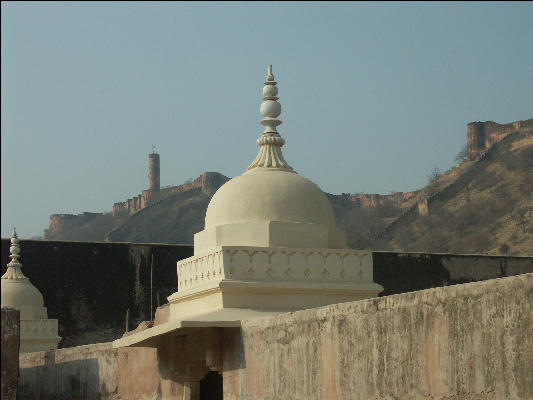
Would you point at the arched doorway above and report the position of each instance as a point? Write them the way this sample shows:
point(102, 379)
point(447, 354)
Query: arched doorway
point(211, 387)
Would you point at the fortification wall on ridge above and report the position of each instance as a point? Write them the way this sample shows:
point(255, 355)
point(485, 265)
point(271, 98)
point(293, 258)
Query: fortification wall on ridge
point(60, 222)
point(208, 182)
point(375, 200)
point(481, 136)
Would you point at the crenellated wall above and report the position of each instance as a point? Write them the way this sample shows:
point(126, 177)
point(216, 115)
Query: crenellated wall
point(375, 200)
point(208, 182)
point(481, 136)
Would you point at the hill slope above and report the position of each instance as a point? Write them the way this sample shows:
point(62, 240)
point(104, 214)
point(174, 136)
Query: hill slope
point(487, 208)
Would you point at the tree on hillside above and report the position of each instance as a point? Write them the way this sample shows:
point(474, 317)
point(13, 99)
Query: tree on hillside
point(434, 175)
point(462, 155)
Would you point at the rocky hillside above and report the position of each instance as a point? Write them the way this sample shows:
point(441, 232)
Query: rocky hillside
point(481, 206)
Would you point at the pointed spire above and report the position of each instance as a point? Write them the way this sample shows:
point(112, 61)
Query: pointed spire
point(14, 270)
point(270, 142)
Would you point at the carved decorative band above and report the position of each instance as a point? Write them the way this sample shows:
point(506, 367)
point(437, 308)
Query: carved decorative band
point(275, 140)
point(276, 265)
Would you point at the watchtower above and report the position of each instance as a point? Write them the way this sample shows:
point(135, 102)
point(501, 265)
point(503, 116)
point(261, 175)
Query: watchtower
point(153, 171)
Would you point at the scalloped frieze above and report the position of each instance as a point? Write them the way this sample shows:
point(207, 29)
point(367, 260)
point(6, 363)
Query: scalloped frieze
point(276, 265)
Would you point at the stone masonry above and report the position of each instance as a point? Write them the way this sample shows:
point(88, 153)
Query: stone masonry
point(481, 136)
point(10, 352)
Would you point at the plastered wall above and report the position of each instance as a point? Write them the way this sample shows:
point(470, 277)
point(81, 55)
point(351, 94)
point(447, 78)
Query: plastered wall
point(10, 352)
point(84, 372)
point(470, 341)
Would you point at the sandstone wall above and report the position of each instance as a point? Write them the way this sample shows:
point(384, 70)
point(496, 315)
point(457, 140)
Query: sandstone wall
point(208, 182)
point(481, 136)
point(373, 200)
point(470, 341)
point(10, 352)
point(59, 222)
point(84, 372)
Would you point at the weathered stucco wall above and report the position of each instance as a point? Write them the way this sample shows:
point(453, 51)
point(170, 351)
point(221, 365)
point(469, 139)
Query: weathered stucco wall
point(10, 352)
point(470, 341)
point(84, 372)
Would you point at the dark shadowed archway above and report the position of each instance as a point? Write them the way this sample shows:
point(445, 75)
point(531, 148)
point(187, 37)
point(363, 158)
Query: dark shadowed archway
point(211, 387)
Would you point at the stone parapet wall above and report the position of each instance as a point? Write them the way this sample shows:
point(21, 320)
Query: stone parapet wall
point(84, 372)
point(10, 352)
point(469, 341)
point(460, 342)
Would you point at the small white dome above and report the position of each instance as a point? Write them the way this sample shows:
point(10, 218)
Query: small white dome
point(17, 290)
point(22, 295)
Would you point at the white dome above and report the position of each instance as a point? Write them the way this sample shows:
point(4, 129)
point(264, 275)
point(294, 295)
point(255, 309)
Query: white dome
point(267, 194)
point(22, 295)
point(269, 205)
point(17, 290)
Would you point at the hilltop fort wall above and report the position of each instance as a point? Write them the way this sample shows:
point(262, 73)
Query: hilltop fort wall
point(481, 136)
point(60, 222)
point(208, 182)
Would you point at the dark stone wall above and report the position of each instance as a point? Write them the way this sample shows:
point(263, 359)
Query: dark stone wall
point(408, 272)
point(88, 286)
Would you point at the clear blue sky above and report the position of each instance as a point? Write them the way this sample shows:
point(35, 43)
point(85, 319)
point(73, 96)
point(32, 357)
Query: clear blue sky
point(373, 95)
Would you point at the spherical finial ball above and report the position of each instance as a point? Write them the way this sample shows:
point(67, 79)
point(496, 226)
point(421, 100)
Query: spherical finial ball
point(14, 250)
point(270, 108)
point(270, 91)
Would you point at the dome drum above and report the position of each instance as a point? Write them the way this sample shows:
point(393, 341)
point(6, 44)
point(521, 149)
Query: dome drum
point(270, 234)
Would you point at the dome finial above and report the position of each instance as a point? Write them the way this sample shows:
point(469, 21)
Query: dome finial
point(270, 142)
point(14, 270)
point(269, 76)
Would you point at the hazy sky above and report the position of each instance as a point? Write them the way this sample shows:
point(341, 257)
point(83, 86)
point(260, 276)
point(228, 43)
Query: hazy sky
point(373, 95)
